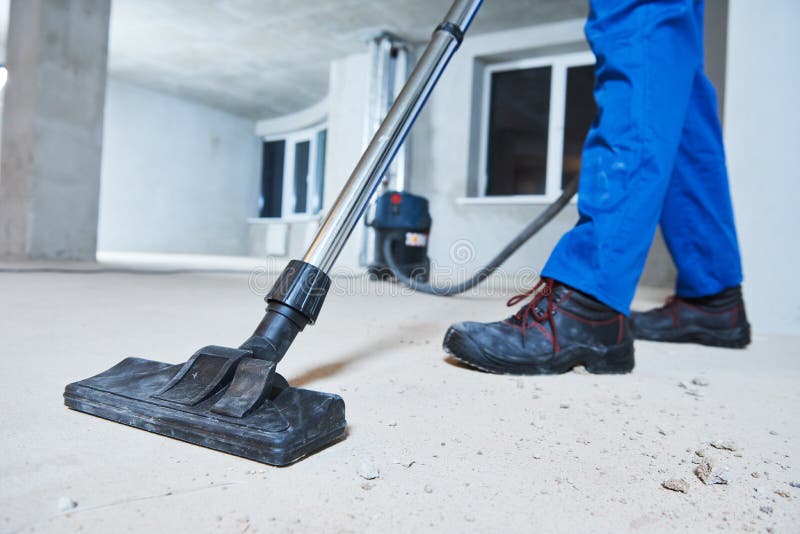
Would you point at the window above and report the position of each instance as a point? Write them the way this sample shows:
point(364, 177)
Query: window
point(272, 179)
point(518, 128)
point(293, 174)
point(535, 118)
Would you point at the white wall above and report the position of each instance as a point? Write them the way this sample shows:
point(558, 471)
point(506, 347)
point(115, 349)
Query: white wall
point(177, 176)
point(762, 141)
point(347, 100)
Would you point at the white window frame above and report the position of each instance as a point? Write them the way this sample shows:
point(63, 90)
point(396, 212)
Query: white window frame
point(555, 137)
point(288, 197)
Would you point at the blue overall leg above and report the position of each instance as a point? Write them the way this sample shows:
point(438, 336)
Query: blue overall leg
point(697, 216)
point(648, 55)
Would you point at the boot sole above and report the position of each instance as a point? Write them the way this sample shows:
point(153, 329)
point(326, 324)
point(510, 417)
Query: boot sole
point(733, 338)
point(614, 359)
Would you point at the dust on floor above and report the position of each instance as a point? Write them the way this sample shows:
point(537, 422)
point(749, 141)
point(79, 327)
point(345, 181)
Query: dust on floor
point(695, 439)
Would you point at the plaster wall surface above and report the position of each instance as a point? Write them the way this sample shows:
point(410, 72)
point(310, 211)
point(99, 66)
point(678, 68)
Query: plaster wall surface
point(177, 176)
point(761, 118)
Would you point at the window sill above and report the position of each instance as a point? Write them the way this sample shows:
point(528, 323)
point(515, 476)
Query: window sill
point(539, 200)
point(284, 220)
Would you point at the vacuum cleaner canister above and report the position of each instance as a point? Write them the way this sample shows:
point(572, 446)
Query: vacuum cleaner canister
point(222, 398)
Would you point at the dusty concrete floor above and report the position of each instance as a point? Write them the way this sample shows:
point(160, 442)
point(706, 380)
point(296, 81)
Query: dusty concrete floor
point(568, 453)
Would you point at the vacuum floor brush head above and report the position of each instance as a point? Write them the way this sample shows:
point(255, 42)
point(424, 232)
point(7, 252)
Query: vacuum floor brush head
point(222, 399)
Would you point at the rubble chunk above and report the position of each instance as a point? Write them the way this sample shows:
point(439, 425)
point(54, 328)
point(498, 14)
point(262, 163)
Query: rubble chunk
point(724, 445)
point(676, 484)
point(709, 474)
point(369, 471)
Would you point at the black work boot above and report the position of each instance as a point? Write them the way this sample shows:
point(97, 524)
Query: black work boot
point(718, 320)
point(557, 330)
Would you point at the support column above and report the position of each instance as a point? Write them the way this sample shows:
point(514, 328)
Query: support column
point(57, 52)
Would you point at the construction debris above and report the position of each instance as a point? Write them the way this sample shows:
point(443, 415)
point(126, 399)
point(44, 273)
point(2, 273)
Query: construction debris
point(709, 474)
point(408, 462)
point(724, 445)
point(369, 471)
point(676, 484)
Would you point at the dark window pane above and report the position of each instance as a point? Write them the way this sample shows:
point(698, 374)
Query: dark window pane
point(301, 151)
point(578, 117)
point(271, 179)
point(322, 138)
point(518, 125)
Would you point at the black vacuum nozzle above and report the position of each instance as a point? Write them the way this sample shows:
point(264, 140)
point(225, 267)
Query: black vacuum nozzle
point(227, 399)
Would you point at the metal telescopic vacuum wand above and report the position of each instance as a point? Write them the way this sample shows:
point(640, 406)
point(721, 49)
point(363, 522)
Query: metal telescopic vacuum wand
point(297, 296)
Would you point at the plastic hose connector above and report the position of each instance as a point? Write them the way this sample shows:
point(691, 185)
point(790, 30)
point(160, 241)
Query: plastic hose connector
point(302, 287)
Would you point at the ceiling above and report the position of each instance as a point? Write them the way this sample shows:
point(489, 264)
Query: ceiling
point(266, 58)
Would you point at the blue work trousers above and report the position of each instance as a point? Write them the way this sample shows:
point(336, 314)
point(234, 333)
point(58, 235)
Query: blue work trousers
point(654, 154)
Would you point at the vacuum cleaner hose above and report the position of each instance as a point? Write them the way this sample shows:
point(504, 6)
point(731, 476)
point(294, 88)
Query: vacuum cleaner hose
point(528, 232)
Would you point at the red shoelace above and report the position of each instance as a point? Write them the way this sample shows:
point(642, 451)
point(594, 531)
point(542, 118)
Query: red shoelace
point(671, 306)
point(542, 290)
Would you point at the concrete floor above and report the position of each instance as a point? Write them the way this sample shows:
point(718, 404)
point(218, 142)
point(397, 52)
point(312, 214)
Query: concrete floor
point(567, 453)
